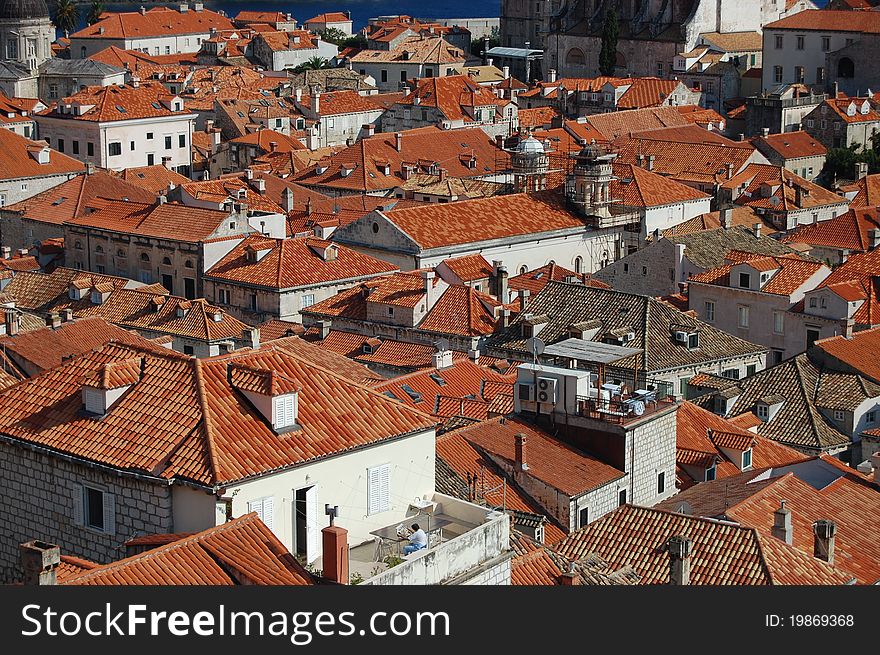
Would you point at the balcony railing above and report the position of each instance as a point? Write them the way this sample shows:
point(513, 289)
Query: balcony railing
point(614, 404)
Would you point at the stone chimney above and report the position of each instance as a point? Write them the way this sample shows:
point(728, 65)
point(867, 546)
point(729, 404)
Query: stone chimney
point(398, 139)
point(13, 322)
point(650, 162)
point(551, 75)
point(523, 298)
point(756, 228)
point(335, 549)
point(782, 524)
point(504, 318)
point(287, 200)
point(166, 162)
point(846, 327)
point(442, 359)
point(640, 160)
point(40, 561)
point(729, 171)
point(505, 72)
point(823, 540)
point(861, 169)
point(428, 286)
point(741, 137)
point(6, 252)
point(679, 560)
point(874, 237)
point(844, 255)
point(875, 460)
point(260, 184)
point(324, 329)
point(520, 449)
point(369, 129)
point(501, 289)
point(298, 95)
point(66, 315)
point(726, 218)
point(316, 101)
point(569, 578)
point(765, 131)
point(90, 168)
point(53, 320)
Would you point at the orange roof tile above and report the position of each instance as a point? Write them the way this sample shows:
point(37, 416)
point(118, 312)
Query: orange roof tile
point(646, 92)
point(416, 50)
point(791, 145)
point(148, 99)
point(860, 269)
point(850, 231)
point(537, 117)
point(867, 192)
point(155, 179)
point(460, 311)
point(781, 184)
point(158, 21)
point(455, 96)
point(860, 353)
point(469, 268)
point(791, 272)
point(537, 279)
point(17, 160)
point(330, 17)
point(241, 551)
point(828, 20)
point(638, 187)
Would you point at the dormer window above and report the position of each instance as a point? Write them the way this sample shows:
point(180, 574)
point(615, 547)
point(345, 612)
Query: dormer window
point(693, 341)
point(710, 473)
point(745, 280)
point(103, 387)
point(747, 459)
point(763, 411)
point(273, 395)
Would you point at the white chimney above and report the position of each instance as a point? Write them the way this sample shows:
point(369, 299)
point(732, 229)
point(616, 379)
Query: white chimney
point(442, 359)
point(551, 75)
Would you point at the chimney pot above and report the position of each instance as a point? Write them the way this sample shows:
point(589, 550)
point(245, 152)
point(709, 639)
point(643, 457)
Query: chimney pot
point(757, 229)
point(824, 532)
point(324, 329)
point(726, 218)
point(40, 561)
point(398, 139)
point(54, 320)
point(782, 529)
point(520, 446)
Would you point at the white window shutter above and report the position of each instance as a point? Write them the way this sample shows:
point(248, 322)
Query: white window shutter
point(109, 513)
point(268, 511)
point(78, 504)
point(372, 491)
point(384, 488)
point(256, 506)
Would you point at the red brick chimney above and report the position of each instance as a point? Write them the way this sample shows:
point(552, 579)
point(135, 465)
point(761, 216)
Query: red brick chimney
point(520, 444)
point(335, 551)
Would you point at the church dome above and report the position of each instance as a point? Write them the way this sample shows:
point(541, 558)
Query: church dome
point(23, 9)
point(530, 146)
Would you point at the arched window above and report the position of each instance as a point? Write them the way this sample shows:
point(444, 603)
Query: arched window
point(188, 263)
point(78, 245)
point(166, 261)
point(578, 265)
point(846, 68)
point(82, 52)
point(145, 257)
point(523, 270)
point(99, 249)
point(575, 57)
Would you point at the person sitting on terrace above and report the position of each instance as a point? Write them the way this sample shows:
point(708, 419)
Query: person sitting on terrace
point(417, 540)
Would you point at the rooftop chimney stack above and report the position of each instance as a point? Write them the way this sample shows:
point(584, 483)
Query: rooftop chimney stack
point(765, 131)
point(726, 217)
point(551, 77)
point(520, 447)
point(287, 200)
point(398, 139)
point(324, 329)
point(782, 524)
point(729, 171)
point(316, 100)
point(757, 230)
point(40, 561)
point(54, 320)
point(6, 252)
point(335, 550)
point(846, 327)
point(875, 460)
point(13, 322)
point(501, 289)
point(650, 162)
point(505, 72)
point(523, 298)
point(861, 169)
point(874, 236)
point(679, 560)
point(823, 540)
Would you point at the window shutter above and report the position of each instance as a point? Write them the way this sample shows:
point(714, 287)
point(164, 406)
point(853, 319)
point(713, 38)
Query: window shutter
point(109, 513)
point(372, 491)
point(78, 504)
point(268, 511)
point(379, 492)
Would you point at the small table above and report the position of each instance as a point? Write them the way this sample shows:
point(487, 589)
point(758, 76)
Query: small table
point(388, 535)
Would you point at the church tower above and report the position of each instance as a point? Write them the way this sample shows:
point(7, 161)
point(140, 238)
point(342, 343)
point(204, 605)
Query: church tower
point(588, 189)
point(26, 33)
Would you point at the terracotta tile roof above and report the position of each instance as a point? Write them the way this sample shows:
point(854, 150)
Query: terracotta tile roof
point(646, 92)
point(651, 320)
point(687, 161)
point(286, 41)
point(464, 380)
point(484, 219)
point(335, 103)
point(701, 116)
point(779, 183)
point(539, 117)
point(158, 21)
point(799, 423)
point(537, 279)
point(828, 20)
point(71, 566)
point(267, 17)
point(164, 221)
point(721, 553)
point(615, 124)
point(848, 231)
point(455, 96)
point(859, 353)
point(184, 420)
point(414, 50)
point(867, 192)
point(155, 179)
point(292, 263)
point(20, 263)
point(47, 348)
point(327, 359)
point(69, 199)
point(551, 461)
point(639, 187)
point(741, 217)
point(792, 272)
point(461, 311)
point(330, 17)
point(122, 102)
point(790, 145)
point(469, 268)
point(242, 551)
point(40, 292)
point(276, 329)
point(18, 158)
point(734, 41)
point(860, 269)
point(853, 110)
point(421, 148)
point(813, 489)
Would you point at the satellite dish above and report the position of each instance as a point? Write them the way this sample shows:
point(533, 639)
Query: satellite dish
point(535, 346)
point(683, 508)
point(442, 344)
point(774, 200)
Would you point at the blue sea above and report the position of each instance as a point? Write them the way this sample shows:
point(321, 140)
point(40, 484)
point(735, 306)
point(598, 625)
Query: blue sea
point(361, 10)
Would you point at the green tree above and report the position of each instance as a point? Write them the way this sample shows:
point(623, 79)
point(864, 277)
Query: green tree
point(608, 53)
point(312, 64)
point(840, 163)
point(356, 41)
point(66, 16)
point(95, 12)
point(334, 36)
point(477, 45)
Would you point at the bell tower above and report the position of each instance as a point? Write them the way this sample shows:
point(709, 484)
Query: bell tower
point(588, 188)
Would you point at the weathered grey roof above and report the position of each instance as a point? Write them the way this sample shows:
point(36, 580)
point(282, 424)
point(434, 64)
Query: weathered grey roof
point(590, 351)
point(23, 9)
point(806, 388)
point(707, 249)
point(10, 70)
point(57, 66)
point(650, 319)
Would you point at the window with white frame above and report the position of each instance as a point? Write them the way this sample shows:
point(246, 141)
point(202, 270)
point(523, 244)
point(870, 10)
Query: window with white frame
point(94, 508)
point(838, 415)
point(763, 412)
point(223, 296)
point(742, 313)
point(747, 459)
point(307, 300)
point(778, 322)
point(379, 489)
point(265, 509)
point(871, 417)
point(710, 310)
point(285, 411)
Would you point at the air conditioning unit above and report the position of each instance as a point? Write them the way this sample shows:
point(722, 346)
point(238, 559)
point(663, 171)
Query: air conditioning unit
point(526, 391)
point(626, 338)
point(681, 337)
point(547, 390)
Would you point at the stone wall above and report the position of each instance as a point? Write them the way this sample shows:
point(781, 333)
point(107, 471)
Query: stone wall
point(39, 490)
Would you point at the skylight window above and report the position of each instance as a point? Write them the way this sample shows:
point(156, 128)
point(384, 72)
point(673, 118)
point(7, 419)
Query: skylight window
point(390, 395)
point(58, 202)
point(412, 393)
point(120, 109)
point(438, 379)
point(155, 105)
